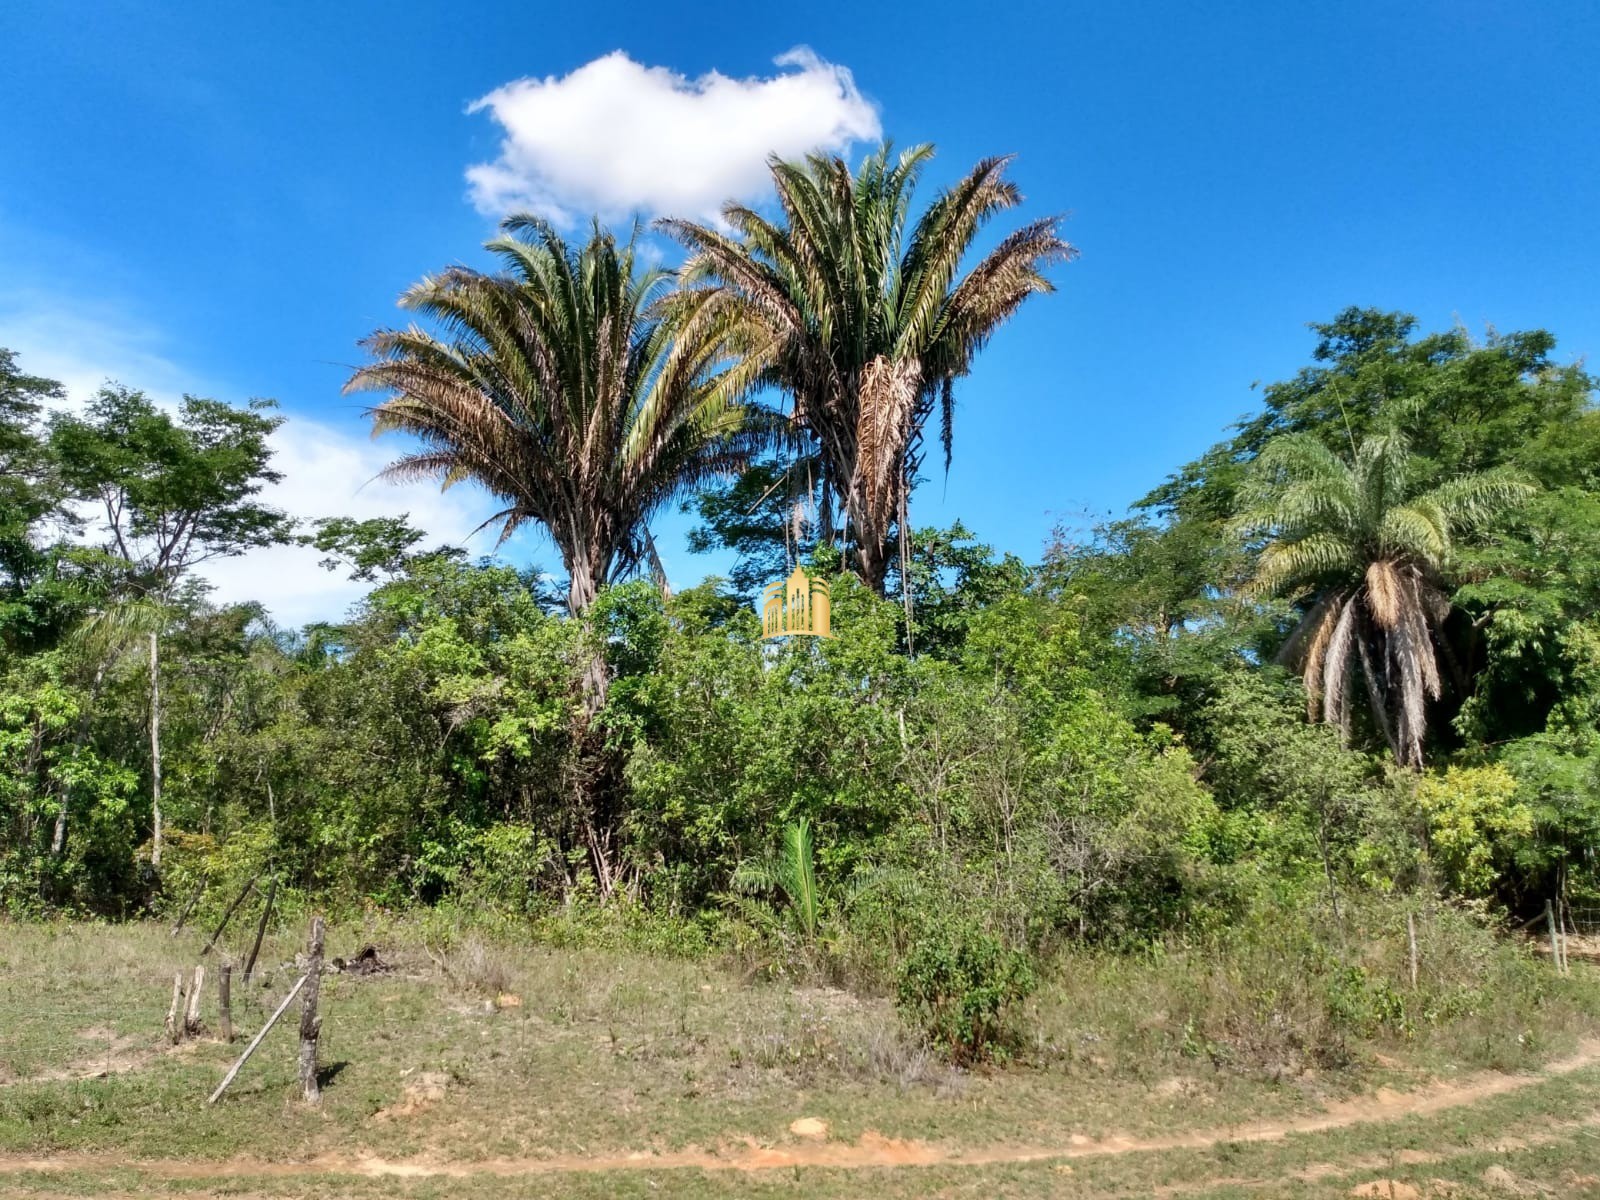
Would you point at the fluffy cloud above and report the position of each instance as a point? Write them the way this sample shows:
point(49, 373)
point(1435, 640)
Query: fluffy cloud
point(327, 470)
point(615, 137)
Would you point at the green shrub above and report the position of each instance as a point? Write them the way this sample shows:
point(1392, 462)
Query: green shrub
point(957, 987)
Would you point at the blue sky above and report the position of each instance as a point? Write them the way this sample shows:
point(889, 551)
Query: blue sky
point(224, 198)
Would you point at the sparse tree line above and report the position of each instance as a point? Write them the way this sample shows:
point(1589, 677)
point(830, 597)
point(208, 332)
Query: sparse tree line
point(1351, 649)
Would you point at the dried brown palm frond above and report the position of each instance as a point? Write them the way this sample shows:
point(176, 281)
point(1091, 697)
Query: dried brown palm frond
point(1314, 634)
point(1385, 594)
point(1335, 704)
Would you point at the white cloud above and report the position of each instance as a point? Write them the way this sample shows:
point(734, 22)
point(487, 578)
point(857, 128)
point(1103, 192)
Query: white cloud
point(615, 137)
point(83, 347)
point(330, 472)
point(327, 470)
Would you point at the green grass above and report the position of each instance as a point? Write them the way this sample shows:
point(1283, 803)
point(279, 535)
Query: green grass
point(611, 1052)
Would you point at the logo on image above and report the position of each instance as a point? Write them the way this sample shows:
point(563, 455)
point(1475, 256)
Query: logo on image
point(796, 605)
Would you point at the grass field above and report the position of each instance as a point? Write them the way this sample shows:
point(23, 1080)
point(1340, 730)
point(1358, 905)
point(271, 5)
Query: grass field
point(478, 1066)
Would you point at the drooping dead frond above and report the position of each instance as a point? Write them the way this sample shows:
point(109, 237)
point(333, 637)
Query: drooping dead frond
point(1314, 634)
point(1335, 706)
point(1378, 689)
point(1385, 594)
point(888, 391)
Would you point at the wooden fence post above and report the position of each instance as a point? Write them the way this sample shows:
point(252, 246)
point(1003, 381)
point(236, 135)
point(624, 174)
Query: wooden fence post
point(261, 929)
point(228, 916)
point(191, 1016)
point(225, 1002)
point(256, 1041)
point(175, 1030)
point(310, 1022)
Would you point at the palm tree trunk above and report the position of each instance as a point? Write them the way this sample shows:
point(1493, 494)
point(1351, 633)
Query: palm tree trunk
point(155, 749)
point(581, 593)
point(872, 560)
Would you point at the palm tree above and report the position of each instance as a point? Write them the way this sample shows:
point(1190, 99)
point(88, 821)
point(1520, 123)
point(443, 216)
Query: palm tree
point(791, 873)
point(1367, 549)
point(860, 317)
point(564, 390)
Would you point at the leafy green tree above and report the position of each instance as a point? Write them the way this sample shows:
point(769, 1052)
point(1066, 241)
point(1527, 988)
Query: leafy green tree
point(28, 494)
point(1155, 602)
point(952, 578)
point(1369, 549)
point(367, 549)
point(859, 315)
point(1465, 405)
point(768, 521)
point(173, 491)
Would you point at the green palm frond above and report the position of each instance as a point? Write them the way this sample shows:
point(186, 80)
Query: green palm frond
point(1285, 564)
point(1369, 548)
point(1474, 500)
point(847, 292)
point(571, 388)
point(790, 872)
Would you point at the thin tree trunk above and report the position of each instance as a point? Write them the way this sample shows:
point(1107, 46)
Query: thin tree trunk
point(905, 564)
point(581, 592)
point(155, 750)
point(261, 929)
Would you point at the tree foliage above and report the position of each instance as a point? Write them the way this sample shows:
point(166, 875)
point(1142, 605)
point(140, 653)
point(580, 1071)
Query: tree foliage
point(1102, 746)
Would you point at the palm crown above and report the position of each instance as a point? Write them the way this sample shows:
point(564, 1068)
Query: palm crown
point(563, 389)
point(1368, 549)
point(862, 320)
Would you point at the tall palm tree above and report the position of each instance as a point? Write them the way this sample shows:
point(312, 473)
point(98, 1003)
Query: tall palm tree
point(864, 317)
point(1367, 549)
point(561, 387)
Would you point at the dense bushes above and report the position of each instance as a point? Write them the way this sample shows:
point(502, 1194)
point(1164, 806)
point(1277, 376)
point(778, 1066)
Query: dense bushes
point(1099, 761)
point(959, 986)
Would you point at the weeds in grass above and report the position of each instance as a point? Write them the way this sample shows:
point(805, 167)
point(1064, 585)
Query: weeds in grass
point(1285, 994)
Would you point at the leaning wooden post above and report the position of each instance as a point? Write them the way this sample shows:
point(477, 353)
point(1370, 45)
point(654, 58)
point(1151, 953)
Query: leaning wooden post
point(228, 916)
point(225, 1002)
point(175, 1030)
point(310, 1022)
point(191, 1016)
point(183, 917)
point(261, 929)
point(256, 1041)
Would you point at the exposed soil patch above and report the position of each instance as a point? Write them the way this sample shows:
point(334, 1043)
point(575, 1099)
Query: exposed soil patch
point(104, 1052)
point(416, 1096)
